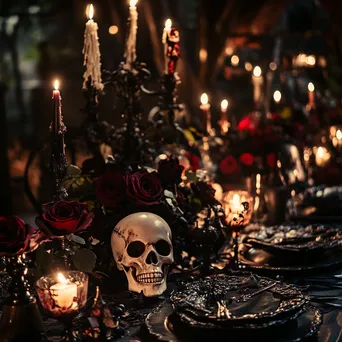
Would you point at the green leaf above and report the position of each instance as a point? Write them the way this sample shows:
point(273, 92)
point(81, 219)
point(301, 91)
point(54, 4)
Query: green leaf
point(169, 194)
point(84, 260)
point(77, 239)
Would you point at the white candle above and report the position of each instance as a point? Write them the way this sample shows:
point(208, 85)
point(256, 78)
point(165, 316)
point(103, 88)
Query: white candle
point(63, 292)
point(131, 42)
point(91, 52)
point(224, 118)
point(235, 204)
point(166, 31)
point(257, 83)
point(322, 156)
point(205, 107)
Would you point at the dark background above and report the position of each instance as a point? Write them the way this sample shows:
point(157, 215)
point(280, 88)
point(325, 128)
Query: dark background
point(43, 40)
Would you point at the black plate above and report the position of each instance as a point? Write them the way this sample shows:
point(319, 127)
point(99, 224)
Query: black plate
point(297, 241)
point(260, 260)
point(199, 300)
point(161, 325)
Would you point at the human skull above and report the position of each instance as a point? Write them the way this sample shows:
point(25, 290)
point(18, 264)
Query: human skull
point(142, 248)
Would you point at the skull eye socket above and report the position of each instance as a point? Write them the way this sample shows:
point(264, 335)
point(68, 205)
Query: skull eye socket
point(135, 249)
point(163, 248)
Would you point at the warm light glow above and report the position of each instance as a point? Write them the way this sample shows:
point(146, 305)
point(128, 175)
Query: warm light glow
point(302, 58)
point(257, 71)
point(113, 29)
point(277, 96)
point(311, 86)
point(61, 279)
point(229, 50)
point(321, 152)
point(248, 66)
point(90, 11)
point(235, 60)
point(133, 3)
point(311, 60)
point(339, 134)
point(204, 99)
point(168, 24)
point(203, 55)
point(56, 85)
point(236, 201)
point(273, 66)
point(224, 104)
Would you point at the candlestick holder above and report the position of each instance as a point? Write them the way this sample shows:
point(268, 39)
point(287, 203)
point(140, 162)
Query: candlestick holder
point(132, 147)
point(21, 319)
point(95, 132)
point(63, 299)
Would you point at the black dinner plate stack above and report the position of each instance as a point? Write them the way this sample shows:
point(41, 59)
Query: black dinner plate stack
point(236, 306)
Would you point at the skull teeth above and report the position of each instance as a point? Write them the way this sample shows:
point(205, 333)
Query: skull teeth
point(150, 278)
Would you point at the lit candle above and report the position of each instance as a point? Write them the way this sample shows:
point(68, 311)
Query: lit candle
point(57, 126)
point(131, 41)
point(322, 156)
point(205, 107)
point(257, 84)
point(311, 95)
point(235, 204)
point(63, 292)
point(91, 52)
point(277, 96)
point(166, 31)
point(224, 118)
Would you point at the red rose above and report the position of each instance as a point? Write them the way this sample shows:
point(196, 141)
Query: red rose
point(110, 188)
point(247, 159)
point(15, 236)
point(195, 161)
point(228, 165)
point(170, 171)
point(144, 188)
point(64, 217)
point(271, 160)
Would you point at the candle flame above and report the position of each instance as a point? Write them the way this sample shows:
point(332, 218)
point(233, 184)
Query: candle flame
point(61, 279)
point(90, 11)
point(321, 152)
point(277, 96)
point(311, 86)
point(204, 99)
point(339, 134)
point(236, 200)
point(224, 104)
point(257, 71)
point(133, 3)
point(56, 84)
point(168, 24)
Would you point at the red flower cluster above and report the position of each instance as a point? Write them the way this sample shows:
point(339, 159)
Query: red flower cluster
point(141, 188)
point(247, 159)
point(229, 165)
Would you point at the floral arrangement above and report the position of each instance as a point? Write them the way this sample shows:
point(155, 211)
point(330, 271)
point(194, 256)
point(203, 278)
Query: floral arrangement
point(120, 191)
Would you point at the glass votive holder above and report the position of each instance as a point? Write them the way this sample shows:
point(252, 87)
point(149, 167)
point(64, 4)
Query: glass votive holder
point(232, 205)
point(63, 294)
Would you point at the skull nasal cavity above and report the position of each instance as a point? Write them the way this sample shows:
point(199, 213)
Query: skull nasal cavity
point(152, 258)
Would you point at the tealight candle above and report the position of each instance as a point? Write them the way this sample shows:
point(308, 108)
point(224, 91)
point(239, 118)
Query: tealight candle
point(63, 292)
point(232, 204)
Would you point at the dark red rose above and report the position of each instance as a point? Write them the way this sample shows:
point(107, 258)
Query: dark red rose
point(15, 236)
point(170, 171)
point(64, 217)
point(144, 188)
point(228, 165)
point(271, 160)
point(247, 159)
point(204, 192)
point(110, 188)
point(195, 161)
